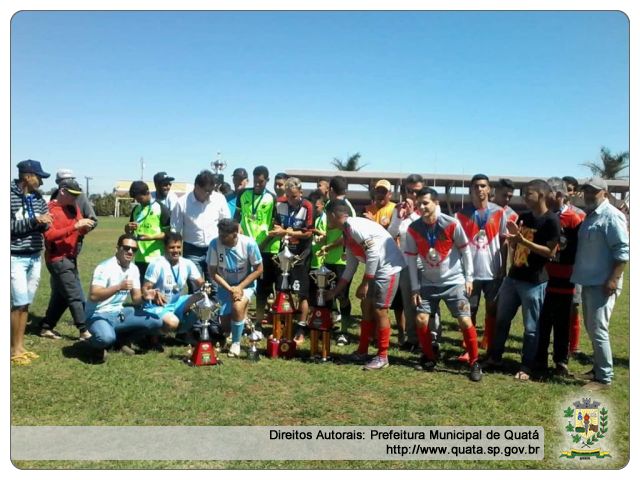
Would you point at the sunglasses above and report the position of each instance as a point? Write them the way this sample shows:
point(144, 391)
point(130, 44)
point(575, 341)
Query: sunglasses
point(129, 248)
point(414, 191)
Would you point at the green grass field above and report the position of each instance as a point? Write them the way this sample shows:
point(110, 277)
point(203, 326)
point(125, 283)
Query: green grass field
point(61, 388)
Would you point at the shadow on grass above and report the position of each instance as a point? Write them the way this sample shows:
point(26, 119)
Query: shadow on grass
point(80, 351)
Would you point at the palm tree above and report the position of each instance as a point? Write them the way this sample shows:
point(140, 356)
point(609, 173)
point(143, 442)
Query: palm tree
point(350, 164)
point(611, 165)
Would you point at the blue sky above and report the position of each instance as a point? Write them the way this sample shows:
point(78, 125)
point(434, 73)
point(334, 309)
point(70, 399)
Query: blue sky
point(504, 93)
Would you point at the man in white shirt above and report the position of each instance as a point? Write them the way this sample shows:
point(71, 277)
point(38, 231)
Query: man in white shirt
point(112, 282)
point(163, 193)
point(235, 263)
point(196, 217)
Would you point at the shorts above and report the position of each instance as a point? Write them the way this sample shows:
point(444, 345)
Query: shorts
point(489, 288)
point(577, 295)
point(383, 289)
point(25, 277)
point(224, 297)
point(269, 274)
point(453, 295)
point(299, 278)
point(398, 301)
point(159, 311)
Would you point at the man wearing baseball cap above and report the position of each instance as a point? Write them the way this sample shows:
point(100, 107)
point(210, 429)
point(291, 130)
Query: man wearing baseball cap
point(82, 202)
point(602, 255)
point(381, 209)
point(61, 253)
point(163, 193)
point(29, 219)
point(240, 179)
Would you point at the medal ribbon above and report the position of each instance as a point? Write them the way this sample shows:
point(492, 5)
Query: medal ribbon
point(254, 205)
point(432, 235)
point(481, 220)
point(176, 277)
point(138, 218)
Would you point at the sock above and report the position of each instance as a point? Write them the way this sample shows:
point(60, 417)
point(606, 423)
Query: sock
point(574, 332)
point(424, 337)
point(236, 331)
point(471, 340)
point(384, 334)
point(366, 327)
point(489, 331)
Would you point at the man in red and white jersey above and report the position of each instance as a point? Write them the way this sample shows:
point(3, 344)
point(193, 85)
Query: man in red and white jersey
point(503, 193)
point(368, 242)
point(447, 274)
point(485, 226)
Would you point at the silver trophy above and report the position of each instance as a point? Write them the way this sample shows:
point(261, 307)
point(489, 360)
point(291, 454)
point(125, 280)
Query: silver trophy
point(285, 261)
point(322, 278)
point(219, 164)
point(254, 337)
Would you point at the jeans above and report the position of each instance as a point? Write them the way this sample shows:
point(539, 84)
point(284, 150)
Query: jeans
point(514, 293)
point(106, 327)
point(597, 310)
point(198, 255)
point(25, 277)
point(66, 292)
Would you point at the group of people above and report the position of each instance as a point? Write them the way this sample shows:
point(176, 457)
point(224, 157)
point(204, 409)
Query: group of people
point(547, 260)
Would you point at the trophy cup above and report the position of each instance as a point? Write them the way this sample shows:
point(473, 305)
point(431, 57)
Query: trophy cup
point(254, 337)
point(321, 323)
point(282, 308)
point(204, 353)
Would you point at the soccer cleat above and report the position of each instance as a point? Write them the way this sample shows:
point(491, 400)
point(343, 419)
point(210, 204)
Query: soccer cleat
point(377, 363)
point(234, 350)
point(561, 370)
point(51, 334)
point(342, 340)
point(424, 364)
point(475, 375)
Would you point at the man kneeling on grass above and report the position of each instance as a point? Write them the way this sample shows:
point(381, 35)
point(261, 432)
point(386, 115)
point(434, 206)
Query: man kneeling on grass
point(234, 263)
point(164, 281)
point(108, 320)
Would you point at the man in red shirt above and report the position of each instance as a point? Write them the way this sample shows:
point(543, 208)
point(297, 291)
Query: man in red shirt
point(61, 251)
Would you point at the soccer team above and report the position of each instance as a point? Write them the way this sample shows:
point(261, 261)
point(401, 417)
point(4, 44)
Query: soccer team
point(546, 261)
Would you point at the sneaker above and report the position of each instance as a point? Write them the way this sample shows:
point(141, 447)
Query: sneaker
point(356, 357)
point(475, 375)
point(86, 335)
point(426, 365)
point(342, 341)
point(127, 350)
point(52, 334)
point(377, 363)
point(491, 364)
point(234, 350)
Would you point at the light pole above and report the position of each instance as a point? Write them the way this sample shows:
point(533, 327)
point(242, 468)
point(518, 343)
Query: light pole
point(87, 180)
point(141, 168)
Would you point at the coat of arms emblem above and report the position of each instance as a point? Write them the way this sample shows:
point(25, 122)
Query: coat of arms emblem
point(587, 424)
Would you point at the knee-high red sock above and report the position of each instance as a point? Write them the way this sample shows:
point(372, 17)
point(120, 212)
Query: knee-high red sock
point(471, 341)
point(384, 334)
point(489, 331)
point(424, 337)
point(574, 332)
point(366, 328)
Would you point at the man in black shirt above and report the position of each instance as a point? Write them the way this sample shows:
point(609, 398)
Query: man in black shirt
point(534, 239)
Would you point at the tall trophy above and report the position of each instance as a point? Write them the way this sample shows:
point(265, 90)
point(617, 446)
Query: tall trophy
point(321, 323)
point(204, 352)
point(281, 344)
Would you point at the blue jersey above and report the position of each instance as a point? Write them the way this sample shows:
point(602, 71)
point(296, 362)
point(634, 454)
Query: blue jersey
point(235, 263)
point(170, 280)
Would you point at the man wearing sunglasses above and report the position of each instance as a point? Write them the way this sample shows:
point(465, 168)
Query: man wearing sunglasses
point(109, 321)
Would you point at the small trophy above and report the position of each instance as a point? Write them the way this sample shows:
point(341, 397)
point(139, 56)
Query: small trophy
point(321, 323)
point(254, 337)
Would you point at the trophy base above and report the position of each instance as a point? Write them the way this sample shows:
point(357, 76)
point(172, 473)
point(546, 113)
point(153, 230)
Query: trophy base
point(203, 355)
point(253, 355)
point(287, 349)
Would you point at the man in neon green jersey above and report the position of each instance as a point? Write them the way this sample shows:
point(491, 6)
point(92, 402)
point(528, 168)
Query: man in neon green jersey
point(149, 222)
point(255, 211)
